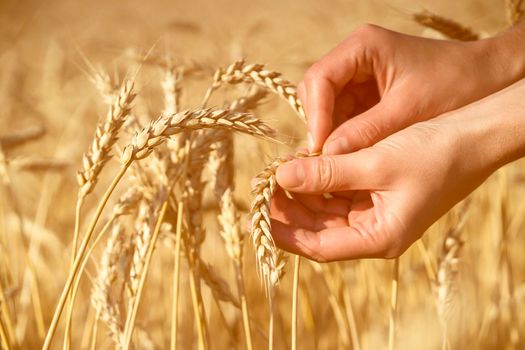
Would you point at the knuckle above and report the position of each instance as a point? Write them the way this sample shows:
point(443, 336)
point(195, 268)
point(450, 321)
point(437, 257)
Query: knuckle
point(325, 167)
point(367, 31)
point(313, 73)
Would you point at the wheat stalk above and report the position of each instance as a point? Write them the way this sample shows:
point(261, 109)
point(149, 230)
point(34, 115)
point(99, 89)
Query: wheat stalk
point(449, 28)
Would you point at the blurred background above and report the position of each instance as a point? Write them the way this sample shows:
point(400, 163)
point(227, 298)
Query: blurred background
point(48, 51)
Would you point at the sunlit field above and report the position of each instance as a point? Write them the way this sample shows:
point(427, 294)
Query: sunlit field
point(129, 135)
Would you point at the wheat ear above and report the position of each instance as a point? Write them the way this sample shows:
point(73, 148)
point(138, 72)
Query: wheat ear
point(270, 263)
point(240, 72)
point(158, 131)
point(445, 286)
point(102, 296)
point(449, 28)
point(106, 136)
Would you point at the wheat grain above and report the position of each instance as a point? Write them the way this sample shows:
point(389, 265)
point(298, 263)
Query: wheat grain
point(449, 28)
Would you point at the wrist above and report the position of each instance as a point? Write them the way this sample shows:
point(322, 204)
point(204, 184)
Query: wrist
point(504, 55)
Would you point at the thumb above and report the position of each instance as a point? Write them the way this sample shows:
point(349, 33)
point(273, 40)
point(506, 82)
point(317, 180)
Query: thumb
point(368, 128)
point(355, 171)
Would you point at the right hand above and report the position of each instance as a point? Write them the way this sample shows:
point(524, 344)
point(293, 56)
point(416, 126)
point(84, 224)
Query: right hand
point(377, 82)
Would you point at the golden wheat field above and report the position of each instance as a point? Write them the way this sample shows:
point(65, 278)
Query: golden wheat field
point(129, 135)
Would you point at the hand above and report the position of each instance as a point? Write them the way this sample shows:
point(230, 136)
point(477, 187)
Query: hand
point(399, 186)
point(377, 82)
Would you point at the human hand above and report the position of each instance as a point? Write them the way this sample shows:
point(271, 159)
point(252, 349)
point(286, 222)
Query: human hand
point(377, 82)
point(399, 186)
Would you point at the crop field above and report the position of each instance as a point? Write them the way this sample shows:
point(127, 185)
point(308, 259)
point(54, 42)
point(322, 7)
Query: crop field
point(130, 132)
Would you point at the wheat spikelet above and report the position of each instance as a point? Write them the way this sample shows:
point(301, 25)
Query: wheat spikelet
point(105, 137)
point(21, 137)
point(445, 26)
point(102, 297)
point(514, 11)
point(239, 72)
point(158, 131)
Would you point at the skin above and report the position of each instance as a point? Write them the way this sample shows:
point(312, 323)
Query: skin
point(391, 166)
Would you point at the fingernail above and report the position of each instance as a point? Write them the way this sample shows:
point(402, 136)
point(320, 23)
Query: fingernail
point(290, 175)
point(337, 146)
point(310, 142)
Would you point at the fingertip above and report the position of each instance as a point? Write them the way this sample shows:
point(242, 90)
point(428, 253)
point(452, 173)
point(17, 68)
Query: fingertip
point(290, 174)
point(336, 145)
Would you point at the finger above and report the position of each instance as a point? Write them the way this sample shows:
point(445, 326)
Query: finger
point(327, 77)
point(362, 170)
point(331, 244)
point(292, 212)
point(344, 108)
point(367, 128)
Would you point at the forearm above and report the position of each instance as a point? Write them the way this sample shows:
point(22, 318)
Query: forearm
point(492, 130)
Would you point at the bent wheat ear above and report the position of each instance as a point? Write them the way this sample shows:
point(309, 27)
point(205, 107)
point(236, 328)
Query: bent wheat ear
point(158, 131)
point(449, 28)
point(267, 255)
point(270, 260)
point(239, 72)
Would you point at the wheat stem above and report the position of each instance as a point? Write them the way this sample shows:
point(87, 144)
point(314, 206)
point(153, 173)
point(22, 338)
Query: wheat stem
point(176, 278)
point(295, 293)
point(130, 322)
point(78, 259)
point(393, 305)
point(3, 336)
point(76, 285)
point(67, 332)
